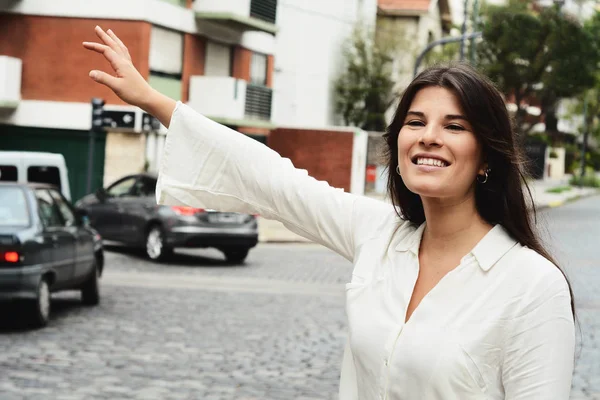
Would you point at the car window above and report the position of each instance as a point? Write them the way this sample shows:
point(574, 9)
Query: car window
point(49, 213)
point(122, 188)
point(67, 214)
point(44, 174)
point(144, 187)
point(13, 207)
point(8, 173)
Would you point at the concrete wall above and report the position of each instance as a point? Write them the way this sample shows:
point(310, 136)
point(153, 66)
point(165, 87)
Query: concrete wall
point(308, 56)
point(125, 154)
point(555, 167)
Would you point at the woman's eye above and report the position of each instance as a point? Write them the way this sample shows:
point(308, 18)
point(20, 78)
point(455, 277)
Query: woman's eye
point(455, 128)
point(415, 123)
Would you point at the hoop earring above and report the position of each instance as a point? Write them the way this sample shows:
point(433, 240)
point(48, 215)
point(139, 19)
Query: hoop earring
point(485, 175)
point(398, 170)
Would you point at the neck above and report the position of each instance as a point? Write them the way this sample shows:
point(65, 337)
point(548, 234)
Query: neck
point(453, 223)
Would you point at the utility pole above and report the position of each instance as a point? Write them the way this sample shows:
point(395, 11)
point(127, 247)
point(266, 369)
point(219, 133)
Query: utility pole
point(463, 30)
point(586, 129)
point(475, 27)
point(97, 122)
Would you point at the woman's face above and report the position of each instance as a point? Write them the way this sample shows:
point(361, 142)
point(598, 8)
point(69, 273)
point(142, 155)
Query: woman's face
point(438, 153)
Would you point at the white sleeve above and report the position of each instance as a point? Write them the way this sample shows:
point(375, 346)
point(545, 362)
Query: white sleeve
point(539, 355)
point(348, 382)
point(208, 165)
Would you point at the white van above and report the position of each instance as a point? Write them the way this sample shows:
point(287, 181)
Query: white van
point(31, 166)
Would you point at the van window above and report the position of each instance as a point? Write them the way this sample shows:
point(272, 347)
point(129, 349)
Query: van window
point(44, 174)
point(8, 173)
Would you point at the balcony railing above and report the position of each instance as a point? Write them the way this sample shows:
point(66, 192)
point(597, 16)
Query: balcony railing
point(264, 9)
point(231, 101)
point(218, 97)
point(10, 82)
point(242, 15)
point(258, 102)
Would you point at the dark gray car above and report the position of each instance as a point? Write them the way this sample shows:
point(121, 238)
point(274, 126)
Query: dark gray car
point(126, 212)
point(45, 246)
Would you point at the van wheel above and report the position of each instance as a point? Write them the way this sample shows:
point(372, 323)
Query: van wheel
point(39, 309)
point(156, 248)
point(90, 291)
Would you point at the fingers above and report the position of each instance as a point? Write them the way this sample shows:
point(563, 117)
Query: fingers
point(118, 41)
point(105, 79)
point(107, 40)
point(107, 52)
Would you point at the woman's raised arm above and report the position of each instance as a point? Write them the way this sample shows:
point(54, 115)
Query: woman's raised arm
point(208, 165)
point(128, 83)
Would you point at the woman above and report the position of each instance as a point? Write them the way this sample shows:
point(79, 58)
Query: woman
point(452, 296)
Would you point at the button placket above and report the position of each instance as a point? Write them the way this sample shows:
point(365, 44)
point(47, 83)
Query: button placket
point(389, 352)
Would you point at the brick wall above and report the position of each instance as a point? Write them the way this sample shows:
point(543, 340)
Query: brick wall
point(194, 55)
point(55, 64)
point(241, 63)
point(326, 155)
point(270, 69)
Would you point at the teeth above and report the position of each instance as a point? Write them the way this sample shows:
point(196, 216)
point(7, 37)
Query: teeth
point(431, 161)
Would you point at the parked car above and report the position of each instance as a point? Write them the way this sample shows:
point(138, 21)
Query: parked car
point(45, 246)
point(126, 212)
point(35, 167)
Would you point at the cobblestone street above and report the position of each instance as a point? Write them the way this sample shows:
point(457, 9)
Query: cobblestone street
point(271, 329)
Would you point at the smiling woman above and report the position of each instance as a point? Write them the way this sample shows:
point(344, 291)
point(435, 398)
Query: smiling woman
point(452, 296)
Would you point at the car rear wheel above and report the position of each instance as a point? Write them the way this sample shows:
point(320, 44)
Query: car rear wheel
point(39, 309)
point(236, 255)
point(90, 291)
point(156, 248)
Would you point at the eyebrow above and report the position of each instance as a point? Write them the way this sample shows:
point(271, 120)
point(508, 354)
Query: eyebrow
point(449, 116)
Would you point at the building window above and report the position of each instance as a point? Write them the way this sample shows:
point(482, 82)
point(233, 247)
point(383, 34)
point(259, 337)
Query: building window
point(219, 59)
point(258, 69)
point(166, 61)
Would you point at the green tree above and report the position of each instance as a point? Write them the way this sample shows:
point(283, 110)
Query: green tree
point(543, 54)
point(364, 90)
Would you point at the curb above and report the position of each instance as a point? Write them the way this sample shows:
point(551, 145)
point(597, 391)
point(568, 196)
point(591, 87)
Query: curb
point(558, 203)
point(291, 238)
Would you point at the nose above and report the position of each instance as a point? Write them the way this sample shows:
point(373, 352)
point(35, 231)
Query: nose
point(431, 136)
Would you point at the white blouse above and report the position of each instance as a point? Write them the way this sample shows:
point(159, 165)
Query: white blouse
point(499, 326)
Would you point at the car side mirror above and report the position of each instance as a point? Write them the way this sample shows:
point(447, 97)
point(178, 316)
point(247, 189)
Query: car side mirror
point(83, 217)
point(101, 194)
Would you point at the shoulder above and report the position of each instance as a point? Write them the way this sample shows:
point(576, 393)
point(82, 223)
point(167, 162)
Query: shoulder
point(374, 217)
point(536, 280)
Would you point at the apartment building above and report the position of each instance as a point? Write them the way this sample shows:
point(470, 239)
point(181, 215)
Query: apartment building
point(217, 56)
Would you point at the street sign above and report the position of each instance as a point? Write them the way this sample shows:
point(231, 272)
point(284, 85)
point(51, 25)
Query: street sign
point(149, 123)
point(118, 119)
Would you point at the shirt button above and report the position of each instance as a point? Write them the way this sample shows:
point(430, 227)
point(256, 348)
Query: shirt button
point(385, 361)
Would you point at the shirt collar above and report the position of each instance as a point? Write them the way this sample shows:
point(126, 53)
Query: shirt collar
point(492, 247)
point(412, 241)
point(495, 244)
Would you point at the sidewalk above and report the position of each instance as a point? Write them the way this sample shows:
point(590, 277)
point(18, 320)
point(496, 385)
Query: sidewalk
point(274, 231)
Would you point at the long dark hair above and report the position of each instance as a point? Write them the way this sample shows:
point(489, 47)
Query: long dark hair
point(501, 200)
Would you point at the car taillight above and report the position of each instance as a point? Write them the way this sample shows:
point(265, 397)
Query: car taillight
point(186, 210)
point(11, 257)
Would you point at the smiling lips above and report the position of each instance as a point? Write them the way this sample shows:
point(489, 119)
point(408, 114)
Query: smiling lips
point(433, 162)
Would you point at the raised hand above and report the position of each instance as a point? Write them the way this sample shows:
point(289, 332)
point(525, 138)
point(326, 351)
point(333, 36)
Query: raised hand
point(127, 82)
